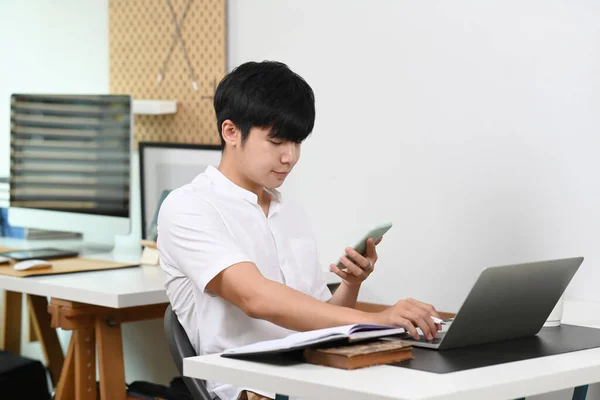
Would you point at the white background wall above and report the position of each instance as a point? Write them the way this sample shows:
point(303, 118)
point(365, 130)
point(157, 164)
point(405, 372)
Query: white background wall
point(473, 126)
point(48, 47)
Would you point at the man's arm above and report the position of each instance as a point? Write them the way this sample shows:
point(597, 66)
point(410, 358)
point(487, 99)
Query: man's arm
point(345, 296)
point(244, 286)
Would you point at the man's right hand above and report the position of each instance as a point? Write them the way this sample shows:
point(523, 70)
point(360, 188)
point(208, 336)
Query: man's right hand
point(410, 314)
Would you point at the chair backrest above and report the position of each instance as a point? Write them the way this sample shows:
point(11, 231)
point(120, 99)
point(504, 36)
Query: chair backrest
point(180, 348)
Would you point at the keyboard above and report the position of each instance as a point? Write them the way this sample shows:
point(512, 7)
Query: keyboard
point(423, 339)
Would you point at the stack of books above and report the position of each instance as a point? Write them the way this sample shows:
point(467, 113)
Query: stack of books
point(360, 355)
point(345, 347)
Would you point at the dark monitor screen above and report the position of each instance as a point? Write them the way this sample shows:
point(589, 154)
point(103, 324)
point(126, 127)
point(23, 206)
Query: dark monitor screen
point(71, 153)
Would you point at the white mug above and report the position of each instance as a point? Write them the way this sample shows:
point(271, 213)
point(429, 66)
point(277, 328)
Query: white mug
point(556, 315)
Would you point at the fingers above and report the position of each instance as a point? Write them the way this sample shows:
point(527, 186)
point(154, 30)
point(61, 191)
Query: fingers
point(417, 313)
point(379, 241)
point(347, 276)
point(422, 317)
point(352, 268)
point(371, 252)
point(342, 274)
point(409, 327)
point(423, 321)
point(427, 307)
point(418, 316)
point(360, 260)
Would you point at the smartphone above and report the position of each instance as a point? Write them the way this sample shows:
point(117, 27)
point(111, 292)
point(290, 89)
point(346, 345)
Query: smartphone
point(361, 246)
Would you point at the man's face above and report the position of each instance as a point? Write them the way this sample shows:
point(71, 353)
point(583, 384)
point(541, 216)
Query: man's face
point(265, 160)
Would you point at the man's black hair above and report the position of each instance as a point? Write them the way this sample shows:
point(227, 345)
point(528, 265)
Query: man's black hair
point(266, 95)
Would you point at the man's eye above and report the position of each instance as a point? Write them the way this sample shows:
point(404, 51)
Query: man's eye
point(276, 143)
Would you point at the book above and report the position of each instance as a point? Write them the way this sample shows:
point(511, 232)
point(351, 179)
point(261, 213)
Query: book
point(360, 355)
point(302, 340)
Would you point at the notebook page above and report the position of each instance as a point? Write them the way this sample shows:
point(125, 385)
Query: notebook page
point(295, 339)
point(356, 331)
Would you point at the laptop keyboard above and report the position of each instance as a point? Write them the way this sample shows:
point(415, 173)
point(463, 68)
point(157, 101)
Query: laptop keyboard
point(423, 339)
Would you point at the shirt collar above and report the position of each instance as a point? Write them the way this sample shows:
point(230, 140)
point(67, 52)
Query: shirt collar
point(226, 186)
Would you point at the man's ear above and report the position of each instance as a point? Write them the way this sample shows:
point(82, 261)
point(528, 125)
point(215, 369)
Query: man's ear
point(230, 132)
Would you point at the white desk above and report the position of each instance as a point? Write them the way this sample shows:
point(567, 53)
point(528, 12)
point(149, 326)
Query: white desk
point(505, 381)
point(117, 288)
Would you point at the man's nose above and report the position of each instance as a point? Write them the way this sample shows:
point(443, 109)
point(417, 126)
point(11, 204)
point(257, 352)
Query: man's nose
point(290, 153)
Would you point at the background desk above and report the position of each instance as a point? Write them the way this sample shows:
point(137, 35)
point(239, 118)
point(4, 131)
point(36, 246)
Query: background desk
point(93, 305)
point(505, 381)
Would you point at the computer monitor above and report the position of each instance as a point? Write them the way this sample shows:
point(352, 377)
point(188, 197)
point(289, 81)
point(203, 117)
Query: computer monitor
point(70, 164)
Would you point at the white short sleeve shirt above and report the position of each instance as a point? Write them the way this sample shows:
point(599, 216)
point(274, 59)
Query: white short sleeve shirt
point(210, 224)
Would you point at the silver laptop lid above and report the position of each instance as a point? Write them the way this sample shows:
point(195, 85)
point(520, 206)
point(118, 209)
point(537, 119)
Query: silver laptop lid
point(510, 301)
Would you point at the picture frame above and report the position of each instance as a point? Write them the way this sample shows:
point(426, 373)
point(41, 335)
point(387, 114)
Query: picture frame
point(167, 166)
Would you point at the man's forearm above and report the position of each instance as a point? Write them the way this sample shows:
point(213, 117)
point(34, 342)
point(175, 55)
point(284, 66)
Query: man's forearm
point(295, 310)
point(345, 296)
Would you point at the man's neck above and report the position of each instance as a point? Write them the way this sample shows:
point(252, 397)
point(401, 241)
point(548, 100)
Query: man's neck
point(231, 173)
point(264, 198)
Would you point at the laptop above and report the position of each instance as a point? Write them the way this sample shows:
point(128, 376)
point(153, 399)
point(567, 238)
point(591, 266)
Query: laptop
point(506, 302)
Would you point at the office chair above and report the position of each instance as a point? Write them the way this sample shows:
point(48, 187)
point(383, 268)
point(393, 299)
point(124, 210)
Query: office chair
point(180, 348)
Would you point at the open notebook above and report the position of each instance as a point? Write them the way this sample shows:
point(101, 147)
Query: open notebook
point(301, 340)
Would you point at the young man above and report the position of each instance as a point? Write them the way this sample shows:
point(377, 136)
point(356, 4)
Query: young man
point(240, 259)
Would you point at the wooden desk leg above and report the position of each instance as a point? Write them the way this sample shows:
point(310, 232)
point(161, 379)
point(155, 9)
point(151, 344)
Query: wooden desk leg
point(40, 320)
point(31, 333)
point(106, 324)
point(110, 360)
point(85, 364)
point(11, 322)
point(65, 389)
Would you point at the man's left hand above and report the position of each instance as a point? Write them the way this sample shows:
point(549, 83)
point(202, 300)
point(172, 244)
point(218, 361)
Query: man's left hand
point(358, 267)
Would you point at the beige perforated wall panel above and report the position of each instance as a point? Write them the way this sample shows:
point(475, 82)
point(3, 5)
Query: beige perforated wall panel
point(140, 34)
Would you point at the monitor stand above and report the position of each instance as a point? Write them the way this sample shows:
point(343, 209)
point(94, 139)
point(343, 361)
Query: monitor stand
point(92, 244)
point(86, 246)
